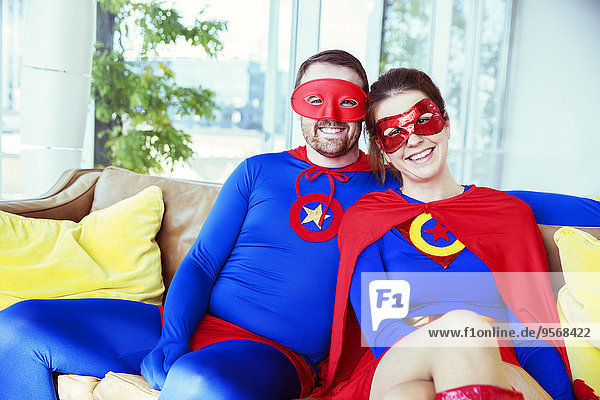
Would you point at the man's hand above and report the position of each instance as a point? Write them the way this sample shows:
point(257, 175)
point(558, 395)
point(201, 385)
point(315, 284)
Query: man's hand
point(158, 362)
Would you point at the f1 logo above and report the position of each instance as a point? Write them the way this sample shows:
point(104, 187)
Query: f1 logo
point(389, 299)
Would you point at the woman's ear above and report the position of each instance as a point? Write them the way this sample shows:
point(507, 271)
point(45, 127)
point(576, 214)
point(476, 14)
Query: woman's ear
point(383, 153)
point(385, 157)
point(446, 123)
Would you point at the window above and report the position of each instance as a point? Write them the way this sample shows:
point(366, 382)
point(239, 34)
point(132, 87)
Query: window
point(11, 21)
point(354, 26)
point(251, 80)
point(250, 76)
point(463, 46)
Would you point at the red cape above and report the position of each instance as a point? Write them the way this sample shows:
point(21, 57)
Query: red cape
point(500, 229)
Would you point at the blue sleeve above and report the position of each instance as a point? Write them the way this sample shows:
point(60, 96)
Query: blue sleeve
point(543, 363)
point(390, 330)
point(189, 292)
point(561, 209)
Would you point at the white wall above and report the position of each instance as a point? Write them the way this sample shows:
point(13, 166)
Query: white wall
point(552, 123)
point(55, 83)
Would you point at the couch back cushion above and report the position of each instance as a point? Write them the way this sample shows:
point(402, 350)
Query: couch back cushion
point(70, 199)
point(186, 206)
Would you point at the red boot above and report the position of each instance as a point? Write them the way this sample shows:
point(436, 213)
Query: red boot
point(479, 392)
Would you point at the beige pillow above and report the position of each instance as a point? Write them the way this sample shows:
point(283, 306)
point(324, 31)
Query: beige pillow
point(124, 386)
point(76, 387)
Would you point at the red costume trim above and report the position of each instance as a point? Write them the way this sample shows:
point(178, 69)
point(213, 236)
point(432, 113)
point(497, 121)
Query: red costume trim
point(361, 164)
point(499, 228)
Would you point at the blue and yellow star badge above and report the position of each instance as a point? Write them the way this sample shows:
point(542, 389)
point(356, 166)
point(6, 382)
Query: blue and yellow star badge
point(314, 215)
point(306, 213)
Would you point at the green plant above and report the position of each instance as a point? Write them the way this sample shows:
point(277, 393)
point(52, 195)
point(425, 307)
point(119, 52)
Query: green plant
point(135, 99)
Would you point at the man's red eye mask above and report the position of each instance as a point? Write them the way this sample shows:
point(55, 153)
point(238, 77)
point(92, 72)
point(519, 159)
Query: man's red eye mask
point(340, 100)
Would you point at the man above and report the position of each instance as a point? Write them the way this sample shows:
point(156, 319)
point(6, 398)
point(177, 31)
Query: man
point(248, 313)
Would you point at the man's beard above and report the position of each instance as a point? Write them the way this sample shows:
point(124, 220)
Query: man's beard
point(330, 147)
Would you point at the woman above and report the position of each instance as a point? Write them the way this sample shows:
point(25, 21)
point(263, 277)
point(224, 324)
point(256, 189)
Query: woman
point(434, 224)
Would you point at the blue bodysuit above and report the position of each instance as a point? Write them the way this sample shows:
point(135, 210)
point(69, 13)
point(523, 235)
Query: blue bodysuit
point(265, 276)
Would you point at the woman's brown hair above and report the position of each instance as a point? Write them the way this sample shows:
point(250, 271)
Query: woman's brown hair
point(393, 82)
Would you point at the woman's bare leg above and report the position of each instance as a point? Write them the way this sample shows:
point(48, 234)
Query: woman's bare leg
point(440, 361)
point(415, 390)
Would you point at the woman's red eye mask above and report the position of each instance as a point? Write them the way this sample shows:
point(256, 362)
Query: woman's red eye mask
point(400, 127)
point(329, 98)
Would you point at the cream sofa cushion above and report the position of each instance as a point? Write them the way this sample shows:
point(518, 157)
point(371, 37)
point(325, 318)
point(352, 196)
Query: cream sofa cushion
point(76, 387)
point(124, 386)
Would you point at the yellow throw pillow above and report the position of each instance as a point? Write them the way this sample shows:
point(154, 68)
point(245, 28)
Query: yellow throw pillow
point(580, 259)
point(111, 253)
point(583, 356)
point(579, 299)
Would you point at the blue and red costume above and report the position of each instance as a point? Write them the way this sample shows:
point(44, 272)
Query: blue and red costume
point(500, 235)
point(270, 233)
point(258, 283)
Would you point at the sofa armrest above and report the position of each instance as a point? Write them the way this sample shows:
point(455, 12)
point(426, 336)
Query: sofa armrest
point(70, 198)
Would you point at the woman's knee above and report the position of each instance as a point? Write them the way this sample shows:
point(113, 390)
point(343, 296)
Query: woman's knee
point(466, 328)
point(464, 318)
point(473, 337)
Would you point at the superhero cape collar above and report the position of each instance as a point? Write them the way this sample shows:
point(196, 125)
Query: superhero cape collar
point(472, 216)
point(361, 164)
point(311, 173)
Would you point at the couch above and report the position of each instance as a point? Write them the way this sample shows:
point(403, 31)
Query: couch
point(186, 205)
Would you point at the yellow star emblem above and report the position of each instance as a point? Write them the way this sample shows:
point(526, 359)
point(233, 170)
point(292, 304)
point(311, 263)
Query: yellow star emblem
point(314, 215)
